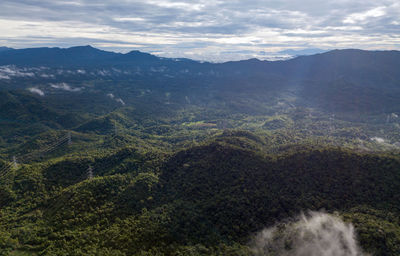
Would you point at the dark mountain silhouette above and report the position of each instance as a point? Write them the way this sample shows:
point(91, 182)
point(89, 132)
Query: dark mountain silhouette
point(3, 49)
point(80, 56)
point(372, 66)
point(309, 51)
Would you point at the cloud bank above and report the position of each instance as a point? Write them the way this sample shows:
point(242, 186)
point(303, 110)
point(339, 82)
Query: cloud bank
point(314, 235)
point(202, 29)
point(8, 72)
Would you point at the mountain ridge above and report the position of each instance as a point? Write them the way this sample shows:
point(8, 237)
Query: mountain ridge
point(358, 80)
point(6, 54)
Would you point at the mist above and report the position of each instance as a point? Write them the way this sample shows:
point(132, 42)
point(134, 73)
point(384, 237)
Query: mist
point(314, 234)
point(65, 87)
point(36, 91)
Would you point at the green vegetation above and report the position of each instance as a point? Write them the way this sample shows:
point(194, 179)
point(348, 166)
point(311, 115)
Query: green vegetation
point(207, 199)
point(143, 164)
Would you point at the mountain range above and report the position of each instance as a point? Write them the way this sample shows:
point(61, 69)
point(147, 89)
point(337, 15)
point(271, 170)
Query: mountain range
point(354, 81)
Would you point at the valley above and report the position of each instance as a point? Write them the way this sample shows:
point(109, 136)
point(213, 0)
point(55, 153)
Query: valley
point(103, 153)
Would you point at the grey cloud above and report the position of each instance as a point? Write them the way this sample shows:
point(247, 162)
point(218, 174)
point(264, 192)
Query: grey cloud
point(208, 26)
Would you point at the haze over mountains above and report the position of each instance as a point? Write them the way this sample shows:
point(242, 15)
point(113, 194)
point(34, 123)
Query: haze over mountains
point(331, 80)
point(351, 85)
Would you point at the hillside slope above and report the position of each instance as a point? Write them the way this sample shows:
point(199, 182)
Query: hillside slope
point(209, 199)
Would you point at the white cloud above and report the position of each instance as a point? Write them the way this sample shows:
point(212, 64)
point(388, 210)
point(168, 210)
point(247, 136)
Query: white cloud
point(7, 72)
point(119, 100)
point(363, 16)
point(177, 5)
point(65, 87)
point(47, 76)
point(378, 139)
point(208, 30)
point(129, 19)
point(314, 235)
point(36, 91)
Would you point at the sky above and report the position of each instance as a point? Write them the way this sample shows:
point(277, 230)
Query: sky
point(213, 30)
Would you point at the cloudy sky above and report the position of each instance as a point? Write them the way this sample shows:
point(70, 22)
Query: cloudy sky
point(202, 29)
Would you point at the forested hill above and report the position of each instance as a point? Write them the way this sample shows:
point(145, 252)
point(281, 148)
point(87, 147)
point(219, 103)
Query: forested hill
point(208, 199)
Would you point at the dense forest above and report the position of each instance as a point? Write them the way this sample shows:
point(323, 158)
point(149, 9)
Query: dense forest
point(131, 154)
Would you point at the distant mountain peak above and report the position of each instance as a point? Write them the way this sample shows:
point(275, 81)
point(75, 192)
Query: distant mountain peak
point(141, 55)
point(134, 52)
point(137, 52)
point(4, 48)
point(85, 48)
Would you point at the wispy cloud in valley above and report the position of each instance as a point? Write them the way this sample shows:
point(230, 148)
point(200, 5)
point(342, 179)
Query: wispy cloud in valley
point(36, 91)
